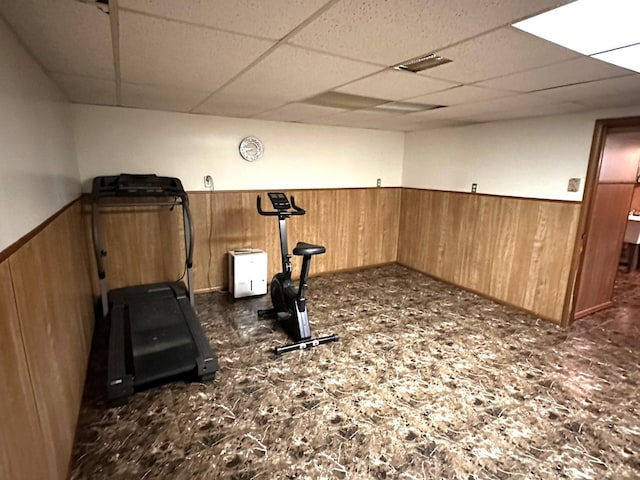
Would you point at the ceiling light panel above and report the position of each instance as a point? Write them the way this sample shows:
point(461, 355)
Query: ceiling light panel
point(628, 57)
point(363, 30)
point(588, 26)
point(241, 16)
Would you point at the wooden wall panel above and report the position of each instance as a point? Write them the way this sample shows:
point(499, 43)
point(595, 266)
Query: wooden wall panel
point(23, 452)
point(602, 250)
point(511, 249)
point(54, 302)
point(359, 227)
point(143, 245)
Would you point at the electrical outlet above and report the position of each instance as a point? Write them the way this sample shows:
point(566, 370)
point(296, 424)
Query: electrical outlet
point(379, 182)
point(474, 187)
point(574, 185)
point(208, 182)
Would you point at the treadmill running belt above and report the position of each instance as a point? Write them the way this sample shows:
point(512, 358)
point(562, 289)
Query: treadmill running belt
point(161, 343)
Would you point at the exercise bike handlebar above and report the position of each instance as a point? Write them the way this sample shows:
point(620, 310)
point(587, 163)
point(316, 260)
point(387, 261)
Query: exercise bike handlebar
point(298, 210)
point(293, 210)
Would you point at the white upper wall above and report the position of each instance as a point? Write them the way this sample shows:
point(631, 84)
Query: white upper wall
point(524, 158)
point(111, 140)
point(38, 171)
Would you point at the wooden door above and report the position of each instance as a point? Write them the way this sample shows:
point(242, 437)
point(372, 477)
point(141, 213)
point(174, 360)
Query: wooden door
point(612, 175)
point(602, 250)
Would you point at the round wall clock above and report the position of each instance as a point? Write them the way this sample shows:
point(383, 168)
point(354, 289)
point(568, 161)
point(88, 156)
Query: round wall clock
point(251, 149)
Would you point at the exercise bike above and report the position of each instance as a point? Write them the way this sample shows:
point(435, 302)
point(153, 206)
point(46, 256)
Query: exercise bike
point(289, 303)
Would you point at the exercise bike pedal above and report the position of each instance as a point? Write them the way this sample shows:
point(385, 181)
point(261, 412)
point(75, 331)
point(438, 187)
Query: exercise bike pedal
point(269, 312)
point(282, 316)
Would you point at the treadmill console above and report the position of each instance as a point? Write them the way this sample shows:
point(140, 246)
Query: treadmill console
point(134, 185)
point(279, 201)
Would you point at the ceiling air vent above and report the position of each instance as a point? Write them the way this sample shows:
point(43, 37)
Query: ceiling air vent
point(101, 4)
point(422, 63)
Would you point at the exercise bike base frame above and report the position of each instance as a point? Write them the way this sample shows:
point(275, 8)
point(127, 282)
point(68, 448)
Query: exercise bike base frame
point(289, 302)
point(304, 344)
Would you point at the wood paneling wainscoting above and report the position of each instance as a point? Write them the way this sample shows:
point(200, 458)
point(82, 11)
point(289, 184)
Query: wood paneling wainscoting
point(358, 227)
point(46, 307)
point(514, 250)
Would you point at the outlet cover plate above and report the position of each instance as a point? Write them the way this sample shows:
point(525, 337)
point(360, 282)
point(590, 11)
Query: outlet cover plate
point(574, 185)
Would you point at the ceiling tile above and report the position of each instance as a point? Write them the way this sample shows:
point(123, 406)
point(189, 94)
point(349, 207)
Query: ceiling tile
point(458, 95)
point(391, 31)
point(471, 110)
point(530, 111)
point(613, 101)
point(92, 91)
point(241, 16)
point(286, 75)
point(65, 36)
point(496, 54)
point(299, 112)
point(356, 118)
point(236, 106)
point(407, 123)
point(160, 98)
point(394, 85)
point(579, 70)
point(161, 52)
point(598, 88)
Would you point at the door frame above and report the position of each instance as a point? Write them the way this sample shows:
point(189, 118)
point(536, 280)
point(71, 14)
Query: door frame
point(600, 133)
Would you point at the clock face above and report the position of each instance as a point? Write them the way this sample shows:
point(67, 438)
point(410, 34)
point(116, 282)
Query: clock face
point(251, 149)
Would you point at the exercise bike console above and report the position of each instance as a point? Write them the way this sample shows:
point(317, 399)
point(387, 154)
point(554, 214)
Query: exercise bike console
point(279, 201)
point(289, 302)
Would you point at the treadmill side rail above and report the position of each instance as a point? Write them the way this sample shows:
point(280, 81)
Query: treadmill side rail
point(119, 382)
point(207, 360)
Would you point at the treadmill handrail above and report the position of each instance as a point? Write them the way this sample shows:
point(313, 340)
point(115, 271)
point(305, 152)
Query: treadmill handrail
point(103, 196)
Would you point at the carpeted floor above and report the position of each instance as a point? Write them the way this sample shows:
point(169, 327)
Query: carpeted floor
point(427, 381)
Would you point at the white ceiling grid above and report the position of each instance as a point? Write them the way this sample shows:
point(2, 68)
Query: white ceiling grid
point(263, 59)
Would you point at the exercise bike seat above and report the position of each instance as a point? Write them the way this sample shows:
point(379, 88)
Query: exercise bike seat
point(303, 248)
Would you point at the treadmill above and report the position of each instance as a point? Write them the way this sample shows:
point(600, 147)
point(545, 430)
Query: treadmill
point(154, 336)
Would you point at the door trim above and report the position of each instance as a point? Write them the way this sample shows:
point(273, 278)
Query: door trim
point(600, 133)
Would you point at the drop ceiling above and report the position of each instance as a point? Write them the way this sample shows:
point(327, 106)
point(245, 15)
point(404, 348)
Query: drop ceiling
point(265, 59)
